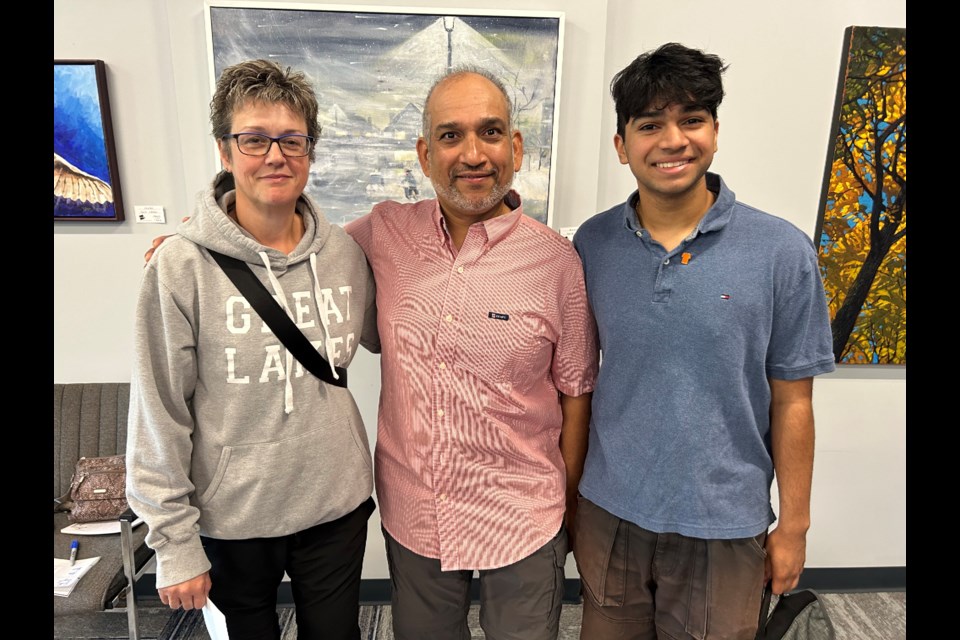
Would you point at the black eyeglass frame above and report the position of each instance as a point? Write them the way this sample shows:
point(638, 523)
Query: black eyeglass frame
point(236, 136)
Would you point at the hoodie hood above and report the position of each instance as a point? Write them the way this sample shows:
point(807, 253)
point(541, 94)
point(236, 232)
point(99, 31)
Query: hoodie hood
point(211, 228)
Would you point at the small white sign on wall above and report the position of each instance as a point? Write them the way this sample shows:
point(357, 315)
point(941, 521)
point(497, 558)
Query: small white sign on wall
point(151, 214)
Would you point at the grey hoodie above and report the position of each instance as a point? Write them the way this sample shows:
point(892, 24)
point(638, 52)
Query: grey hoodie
point(228, 435)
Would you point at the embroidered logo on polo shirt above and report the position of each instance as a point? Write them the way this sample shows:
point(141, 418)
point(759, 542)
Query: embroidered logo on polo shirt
point(493, 315)
point(685, 258)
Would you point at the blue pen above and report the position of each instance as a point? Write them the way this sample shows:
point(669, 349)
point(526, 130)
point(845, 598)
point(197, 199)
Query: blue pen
point(73, 551)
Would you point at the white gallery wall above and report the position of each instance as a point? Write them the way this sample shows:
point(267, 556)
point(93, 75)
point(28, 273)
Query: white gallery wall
point(774, 128)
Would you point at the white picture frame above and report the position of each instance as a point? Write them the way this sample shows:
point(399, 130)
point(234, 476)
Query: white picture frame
point(371, 68)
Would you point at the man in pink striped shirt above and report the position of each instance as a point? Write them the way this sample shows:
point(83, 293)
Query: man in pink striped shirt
point(489, 360)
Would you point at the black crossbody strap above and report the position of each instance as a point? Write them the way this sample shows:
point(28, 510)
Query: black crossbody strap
point(277, 319)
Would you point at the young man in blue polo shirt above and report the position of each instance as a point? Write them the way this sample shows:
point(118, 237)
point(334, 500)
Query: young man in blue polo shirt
point(713, 322)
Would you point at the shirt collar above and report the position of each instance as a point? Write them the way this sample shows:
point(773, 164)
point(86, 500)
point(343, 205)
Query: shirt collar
point(717, 216)
point(495, 228)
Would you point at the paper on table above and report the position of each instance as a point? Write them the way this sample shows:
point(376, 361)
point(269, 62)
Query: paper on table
point(66, 577)
point(96, 528)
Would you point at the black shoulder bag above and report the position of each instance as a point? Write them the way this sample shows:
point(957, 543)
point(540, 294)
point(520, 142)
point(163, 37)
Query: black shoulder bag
point(277, 319)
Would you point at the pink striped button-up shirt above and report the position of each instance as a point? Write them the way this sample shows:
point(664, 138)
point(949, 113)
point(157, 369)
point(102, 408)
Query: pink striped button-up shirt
point(476, 344)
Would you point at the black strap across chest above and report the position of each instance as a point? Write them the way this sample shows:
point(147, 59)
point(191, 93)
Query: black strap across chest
point(277, 319)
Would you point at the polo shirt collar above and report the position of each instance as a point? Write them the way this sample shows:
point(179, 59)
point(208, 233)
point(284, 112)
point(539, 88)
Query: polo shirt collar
point(495, 228)
point(717, 216)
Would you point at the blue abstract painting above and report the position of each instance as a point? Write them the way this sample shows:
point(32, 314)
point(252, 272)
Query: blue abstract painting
point(85, 182)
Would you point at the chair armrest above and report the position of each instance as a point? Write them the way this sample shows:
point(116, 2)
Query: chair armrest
point(128, 549)
point(126, 546)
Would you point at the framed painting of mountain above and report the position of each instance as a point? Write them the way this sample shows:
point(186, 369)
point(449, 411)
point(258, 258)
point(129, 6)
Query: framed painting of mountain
point(862, 226)
point(86, 182)
point(371, 69)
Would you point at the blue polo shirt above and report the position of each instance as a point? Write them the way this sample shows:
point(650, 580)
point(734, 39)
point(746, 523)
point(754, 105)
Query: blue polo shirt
point(680, 428)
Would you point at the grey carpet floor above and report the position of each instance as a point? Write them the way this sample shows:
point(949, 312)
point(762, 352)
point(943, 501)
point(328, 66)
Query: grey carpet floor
point(855, 616)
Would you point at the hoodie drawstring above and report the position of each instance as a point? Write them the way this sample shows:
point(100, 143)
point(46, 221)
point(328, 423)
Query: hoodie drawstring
point(323, 317)
point(278, 292)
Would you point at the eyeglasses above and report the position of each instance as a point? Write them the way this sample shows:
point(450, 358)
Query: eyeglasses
point(293, 145)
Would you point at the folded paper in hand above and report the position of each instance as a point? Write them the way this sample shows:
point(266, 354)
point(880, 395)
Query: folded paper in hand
point(66, 577)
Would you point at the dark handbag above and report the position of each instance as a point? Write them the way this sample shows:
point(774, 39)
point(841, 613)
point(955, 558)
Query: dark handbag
point(97, 490)
point(277, 319)
point(800, 615)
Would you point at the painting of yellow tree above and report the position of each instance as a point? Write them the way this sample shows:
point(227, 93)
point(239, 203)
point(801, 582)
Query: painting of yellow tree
point(862, 225)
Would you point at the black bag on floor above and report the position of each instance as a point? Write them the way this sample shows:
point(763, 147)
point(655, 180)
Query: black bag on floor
point(797, 616)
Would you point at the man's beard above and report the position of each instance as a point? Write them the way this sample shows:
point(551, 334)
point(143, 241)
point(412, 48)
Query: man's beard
point(473, 205)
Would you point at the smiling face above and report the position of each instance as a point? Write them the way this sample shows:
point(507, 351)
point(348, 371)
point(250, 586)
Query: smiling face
point(669, 150)
point(470, 154)
point(274, 181)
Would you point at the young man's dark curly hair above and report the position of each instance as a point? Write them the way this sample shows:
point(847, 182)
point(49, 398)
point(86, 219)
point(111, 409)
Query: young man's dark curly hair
point(671, 74)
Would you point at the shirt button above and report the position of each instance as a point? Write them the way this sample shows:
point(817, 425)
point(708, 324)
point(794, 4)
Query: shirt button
point(443, 497)
point(667, 261)
point(440, 412)
point(639, 234)
point(442, 365)
point(448, 318)
point(459, 269)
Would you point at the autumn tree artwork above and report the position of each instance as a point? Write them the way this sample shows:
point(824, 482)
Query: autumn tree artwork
point(862, 225)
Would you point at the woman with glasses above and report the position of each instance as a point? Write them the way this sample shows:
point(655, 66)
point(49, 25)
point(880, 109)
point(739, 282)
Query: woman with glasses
point(244, 465)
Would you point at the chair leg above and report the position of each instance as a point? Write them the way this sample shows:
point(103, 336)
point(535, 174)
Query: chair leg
point(133, 623)
point(130, 573)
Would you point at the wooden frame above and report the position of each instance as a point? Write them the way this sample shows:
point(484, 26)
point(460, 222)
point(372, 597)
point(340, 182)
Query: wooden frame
point(371, 68)
point(86, 181)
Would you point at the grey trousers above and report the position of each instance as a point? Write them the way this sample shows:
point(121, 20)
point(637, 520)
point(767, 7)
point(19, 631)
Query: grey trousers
point(641, 585)
point(518, 602)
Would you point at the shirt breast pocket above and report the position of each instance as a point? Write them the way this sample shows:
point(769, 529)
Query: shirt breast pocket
point(507, 348)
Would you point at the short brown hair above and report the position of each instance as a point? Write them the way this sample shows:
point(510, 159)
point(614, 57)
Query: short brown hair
point(262, 81)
